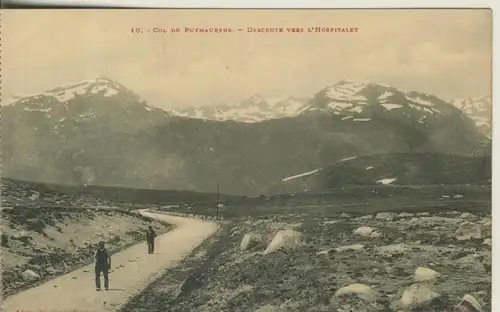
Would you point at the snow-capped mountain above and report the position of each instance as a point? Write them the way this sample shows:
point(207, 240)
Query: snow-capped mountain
point(362, 101)
point(99, 132)
point(251, 110)
point(479, 109)
point(90, 102)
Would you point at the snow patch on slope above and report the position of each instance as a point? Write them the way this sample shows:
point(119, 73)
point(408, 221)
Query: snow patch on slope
point(300, 175)
point(390, 107)
point(386, 181)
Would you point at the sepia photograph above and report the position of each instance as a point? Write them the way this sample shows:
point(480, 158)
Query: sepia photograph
point(258, 160)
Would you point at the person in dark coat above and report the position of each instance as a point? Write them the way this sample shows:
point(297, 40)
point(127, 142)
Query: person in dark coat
point(102, 264)
point(150, 237)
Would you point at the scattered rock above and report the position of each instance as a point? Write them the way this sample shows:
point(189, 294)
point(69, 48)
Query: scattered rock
point(425, 275)
point(30, 275)
point(406, 215)
point(423, 214)
point(469, 304)
point(363, 218)
point(361, 291)
point(418, 296)
point(344, 215)
point(284, 239)
point(468, 231)
point(234, 234)
point(323, 252)
point(375, 234)
point(487, 242)
point(364, 231)
point(385, 216)
point(331, 222)
point(250, 240)
point(467, 216)
point(354, 247)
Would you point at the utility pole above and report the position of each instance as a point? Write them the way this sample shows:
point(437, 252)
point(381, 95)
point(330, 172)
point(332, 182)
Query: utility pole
point(217, 217)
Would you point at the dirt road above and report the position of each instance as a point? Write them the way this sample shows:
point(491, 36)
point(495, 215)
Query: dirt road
point(132, 270)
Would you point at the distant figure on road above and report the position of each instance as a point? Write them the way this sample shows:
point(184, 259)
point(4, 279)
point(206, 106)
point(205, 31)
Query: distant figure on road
point(102, 264)
point(150, 237)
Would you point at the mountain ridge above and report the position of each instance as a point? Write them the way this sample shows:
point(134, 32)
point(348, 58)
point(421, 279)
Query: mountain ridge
point(105, 134)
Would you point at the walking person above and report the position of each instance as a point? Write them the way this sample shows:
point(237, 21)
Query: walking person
point(102, 264)
point(150, 237)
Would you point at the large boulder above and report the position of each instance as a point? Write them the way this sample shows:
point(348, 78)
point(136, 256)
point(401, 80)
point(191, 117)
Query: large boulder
point(425, 275)
point(30, 275)
point(418, 296)
point(284, 239)
point(250, 240)
point(469, 304)
point(361, 291)
point(363, 231)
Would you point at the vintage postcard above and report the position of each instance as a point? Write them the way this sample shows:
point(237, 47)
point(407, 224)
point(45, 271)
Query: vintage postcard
point(246, 160)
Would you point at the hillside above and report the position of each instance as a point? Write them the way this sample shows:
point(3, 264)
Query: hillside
point(100, 133)
point(392, 169)
point(46, 233)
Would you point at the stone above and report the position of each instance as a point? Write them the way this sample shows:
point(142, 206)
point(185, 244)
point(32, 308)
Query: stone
point(425, 275)
point(30, 275)
point(361, 291)
point(418, 296)
point(354, 247)
point(364, 231)
point(249, 241)
point(284, 239)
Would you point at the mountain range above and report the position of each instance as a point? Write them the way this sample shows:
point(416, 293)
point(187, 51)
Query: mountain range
point(258, 108)
point(98, 132)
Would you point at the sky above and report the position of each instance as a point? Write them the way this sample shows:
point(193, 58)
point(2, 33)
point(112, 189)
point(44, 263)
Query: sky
point(444, 52)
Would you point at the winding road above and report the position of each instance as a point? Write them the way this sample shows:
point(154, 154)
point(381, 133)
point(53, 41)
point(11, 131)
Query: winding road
point(132, 270)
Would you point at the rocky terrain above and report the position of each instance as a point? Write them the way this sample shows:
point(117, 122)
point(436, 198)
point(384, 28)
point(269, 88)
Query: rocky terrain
point(100, 133)
point(46, 234)
point(348, 262)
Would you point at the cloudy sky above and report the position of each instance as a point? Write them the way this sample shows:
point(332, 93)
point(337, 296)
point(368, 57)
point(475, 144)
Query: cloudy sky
point(445, 52)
